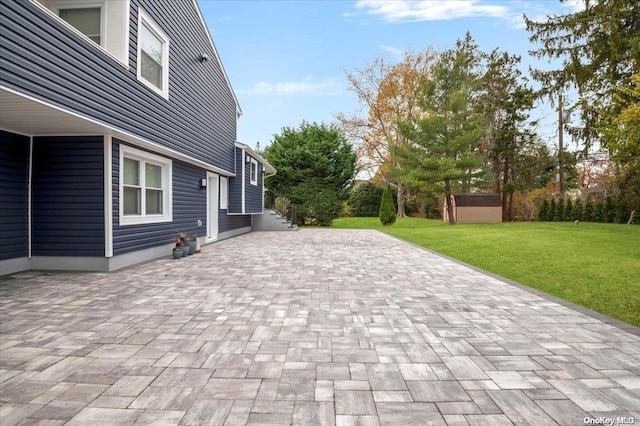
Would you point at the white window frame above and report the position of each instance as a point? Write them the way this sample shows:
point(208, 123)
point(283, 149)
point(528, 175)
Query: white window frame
point(89, 4)
point(253, 180)
point(166, 167)
point(144, 19)
point(224, 193)
point(107, 8)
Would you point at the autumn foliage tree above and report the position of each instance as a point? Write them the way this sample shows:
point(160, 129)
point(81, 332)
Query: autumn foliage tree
point(387, 94)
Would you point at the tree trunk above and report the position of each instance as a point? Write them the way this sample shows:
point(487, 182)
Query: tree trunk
point(447, 188)
point(505, 182)
point(510, 208)
point(400, 199)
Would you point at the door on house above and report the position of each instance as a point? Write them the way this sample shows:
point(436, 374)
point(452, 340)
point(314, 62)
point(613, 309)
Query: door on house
point(212, 206)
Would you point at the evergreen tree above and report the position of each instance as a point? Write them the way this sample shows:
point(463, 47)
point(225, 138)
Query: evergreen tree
point(609, 210)
point(544, 210)
point(599, 49)
point(316, 165)
point(568, 210)
point(387, 209)
point(589, 210)
point(442, 154)
point(557, 214)
point(598, 212)
point(577, 210)
point(622, 214)
point(552, 210)
point(365, 200)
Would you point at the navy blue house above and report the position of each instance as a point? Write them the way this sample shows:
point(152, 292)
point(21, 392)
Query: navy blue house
point(117, 132)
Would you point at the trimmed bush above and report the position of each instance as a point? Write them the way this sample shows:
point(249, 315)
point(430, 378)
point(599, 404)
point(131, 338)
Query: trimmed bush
point(387, 209)
point(588, 210)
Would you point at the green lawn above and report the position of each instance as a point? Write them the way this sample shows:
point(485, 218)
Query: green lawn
point(591, 264)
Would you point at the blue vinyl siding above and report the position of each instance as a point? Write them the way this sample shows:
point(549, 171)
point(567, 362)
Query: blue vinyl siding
point(189, 206)
point(253, 193)
point(230, 223)
point(44, 59)
point(14, 195)
point(235, 184)
point(68, 196)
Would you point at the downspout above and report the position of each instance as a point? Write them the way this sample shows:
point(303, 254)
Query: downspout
point(29, 195)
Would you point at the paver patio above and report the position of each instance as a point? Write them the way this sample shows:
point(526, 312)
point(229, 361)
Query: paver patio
point(319, 327)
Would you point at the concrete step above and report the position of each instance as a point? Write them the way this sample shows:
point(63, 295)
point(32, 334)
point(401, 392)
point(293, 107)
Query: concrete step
point(270, 220)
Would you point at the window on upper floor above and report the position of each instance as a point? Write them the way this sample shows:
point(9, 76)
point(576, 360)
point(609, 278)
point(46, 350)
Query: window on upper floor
point(84, 17)
point(105, 23)
point(253, 174)
point(153, 55)
point(145, 187)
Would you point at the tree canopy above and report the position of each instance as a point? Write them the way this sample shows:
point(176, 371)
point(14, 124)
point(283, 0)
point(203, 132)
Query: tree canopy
point(599, 50)
point(441, 155)
point(315, 167)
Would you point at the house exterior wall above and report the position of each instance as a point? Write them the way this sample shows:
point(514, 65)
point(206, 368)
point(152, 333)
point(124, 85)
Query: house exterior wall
point(235, 184)
point(228, 223)
point(14, 195)
point(68, 196)
point(198, 119)
point(253, 193)
point(189, 206)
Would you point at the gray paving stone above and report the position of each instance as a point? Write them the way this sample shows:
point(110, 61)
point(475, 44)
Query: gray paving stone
point(343, 334)
point(437, 391)
point(408, 413)
point(354, 402)
point(105, 416)
point(519, 408)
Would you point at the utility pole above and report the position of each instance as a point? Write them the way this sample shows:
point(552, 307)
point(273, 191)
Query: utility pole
point(560, 146)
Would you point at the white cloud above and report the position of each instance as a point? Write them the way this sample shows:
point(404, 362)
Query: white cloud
point(430, 10)
point(393, 50)
point(305, 87)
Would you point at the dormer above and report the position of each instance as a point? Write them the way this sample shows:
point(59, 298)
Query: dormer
point(103, 23)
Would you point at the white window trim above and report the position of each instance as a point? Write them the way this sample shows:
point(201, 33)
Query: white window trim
point(167, 205)
point(57, 5)
point(124, 61)
point(253, 181)
point(224, 193)
point(144, 19)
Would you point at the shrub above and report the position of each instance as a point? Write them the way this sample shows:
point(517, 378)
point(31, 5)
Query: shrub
point(387, 210)
point(365, 200)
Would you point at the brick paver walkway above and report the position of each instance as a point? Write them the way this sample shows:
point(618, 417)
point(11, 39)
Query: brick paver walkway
point(311, 327)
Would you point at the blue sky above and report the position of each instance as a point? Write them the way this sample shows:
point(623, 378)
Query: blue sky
point(287, 59)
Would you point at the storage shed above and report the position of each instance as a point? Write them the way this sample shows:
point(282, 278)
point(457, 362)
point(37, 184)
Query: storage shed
point(475, 208)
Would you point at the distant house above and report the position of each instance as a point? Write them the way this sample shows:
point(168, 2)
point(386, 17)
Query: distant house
point(475, 208)
point(117, 132)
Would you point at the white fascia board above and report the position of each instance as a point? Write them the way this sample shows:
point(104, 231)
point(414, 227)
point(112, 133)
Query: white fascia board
point(270, 169)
